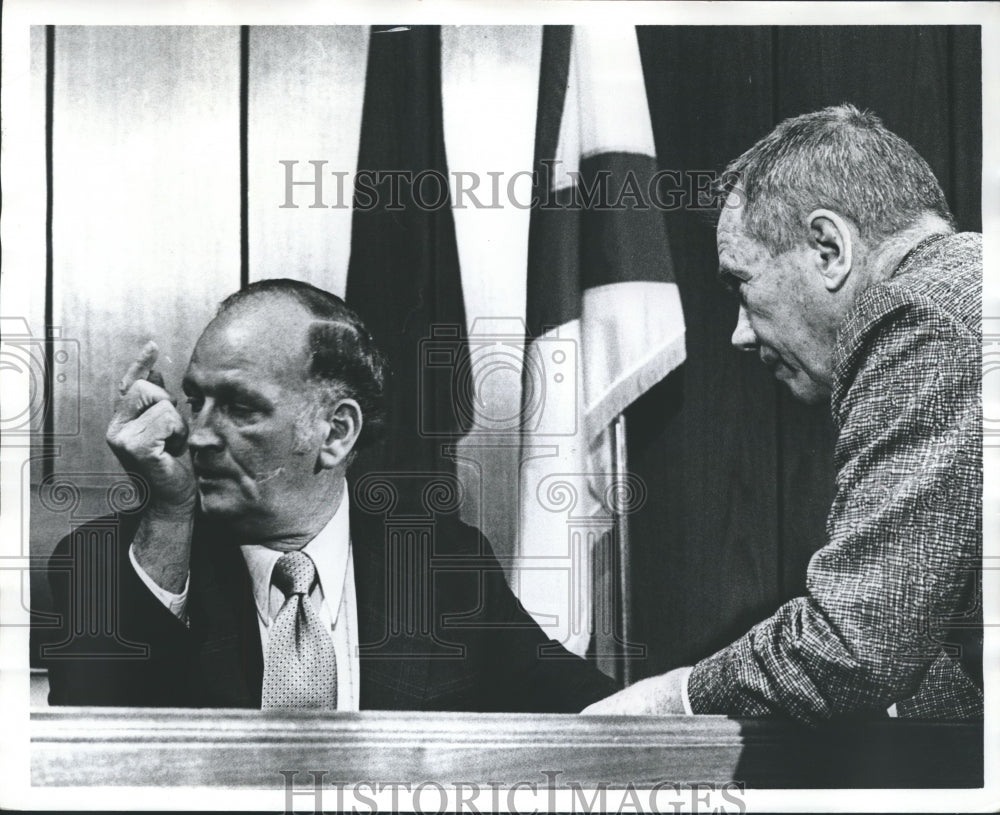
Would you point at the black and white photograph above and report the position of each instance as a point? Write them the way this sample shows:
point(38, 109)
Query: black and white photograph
point(572, 406)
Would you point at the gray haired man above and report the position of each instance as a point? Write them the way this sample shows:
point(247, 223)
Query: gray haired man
point(855, 289)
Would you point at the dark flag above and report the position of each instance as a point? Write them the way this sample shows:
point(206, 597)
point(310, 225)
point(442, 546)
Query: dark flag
point(403, 277)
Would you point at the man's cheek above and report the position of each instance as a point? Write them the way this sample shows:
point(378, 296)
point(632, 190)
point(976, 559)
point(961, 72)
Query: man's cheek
point(807, 390)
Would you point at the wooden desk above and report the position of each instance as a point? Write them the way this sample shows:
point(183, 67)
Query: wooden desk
point(120, 747)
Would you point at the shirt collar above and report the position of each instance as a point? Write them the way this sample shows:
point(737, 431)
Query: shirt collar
point(329, 550)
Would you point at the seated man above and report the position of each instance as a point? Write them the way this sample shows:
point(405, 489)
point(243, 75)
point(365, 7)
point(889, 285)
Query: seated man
point(254, 576)
point(855, 289)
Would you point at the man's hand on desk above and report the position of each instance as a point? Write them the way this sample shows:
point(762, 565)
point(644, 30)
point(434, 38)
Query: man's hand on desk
point(149, 437)
point(656, 696)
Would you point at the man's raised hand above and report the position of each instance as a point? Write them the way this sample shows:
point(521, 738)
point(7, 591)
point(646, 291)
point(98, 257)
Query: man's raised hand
point(149, 437)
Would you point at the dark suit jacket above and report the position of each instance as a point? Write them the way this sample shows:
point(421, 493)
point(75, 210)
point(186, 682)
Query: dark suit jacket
point(438, 627)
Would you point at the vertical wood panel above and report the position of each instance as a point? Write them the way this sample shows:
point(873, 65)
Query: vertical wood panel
point(29, 255)
point(899, 72)
point(806, 439)
point(703, 441)
point(306, 89)
point(146, 208)
point(966, 92)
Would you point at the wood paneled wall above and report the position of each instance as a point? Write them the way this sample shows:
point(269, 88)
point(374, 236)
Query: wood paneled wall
point(145, 206)
point(305, 89)
point(154, 219)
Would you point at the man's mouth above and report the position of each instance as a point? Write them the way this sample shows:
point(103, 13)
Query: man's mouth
point(774, 363)
point(211, 474)
point(770, 359)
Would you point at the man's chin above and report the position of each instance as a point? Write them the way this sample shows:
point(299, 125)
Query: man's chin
point(805, 390)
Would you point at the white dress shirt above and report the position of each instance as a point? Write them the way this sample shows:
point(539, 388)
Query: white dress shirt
point(330, 550)
point(685, 699)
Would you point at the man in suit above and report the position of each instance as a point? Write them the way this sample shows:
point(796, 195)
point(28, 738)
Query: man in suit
point(854, 289)
point(255, 577)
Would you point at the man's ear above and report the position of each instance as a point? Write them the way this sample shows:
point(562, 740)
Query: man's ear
point(343, 426)
point(830, 236)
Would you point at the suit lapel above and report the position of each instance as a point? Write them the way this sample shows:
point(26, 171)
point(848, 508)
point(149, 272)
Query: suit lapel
point(393, 676)
point(229, 664)
point(369, 580)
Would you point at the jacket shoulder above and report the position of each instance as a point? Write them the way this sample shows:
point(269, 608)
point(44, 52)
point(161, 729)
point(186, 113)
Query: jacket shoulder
point(944, 280)
point(423, 505)
point(935, 295)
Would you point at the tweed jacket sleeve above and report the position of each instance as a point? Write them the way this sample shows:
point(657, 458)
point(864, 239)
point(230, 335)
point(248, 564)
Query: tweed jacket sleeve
point(904, 534)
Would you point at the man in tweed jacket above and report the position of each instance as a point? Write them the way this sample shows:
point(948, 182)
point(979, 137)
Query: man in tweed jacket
point(855, 290)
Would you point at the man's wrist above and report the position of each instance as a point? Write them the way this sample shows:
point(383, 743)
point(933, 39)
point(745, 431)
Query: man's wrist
point(175, 602)
point(162, 547)
point(170, 513)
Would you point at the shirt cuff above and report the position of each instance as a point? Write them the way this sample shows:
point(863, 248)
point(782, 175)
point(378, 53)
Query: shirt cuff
point(176, 603)
point(685, 699)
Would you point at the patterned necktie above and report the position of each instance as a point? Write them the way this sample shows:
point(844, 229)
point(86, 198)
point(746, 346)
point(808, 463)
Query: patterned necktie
point(301, 667)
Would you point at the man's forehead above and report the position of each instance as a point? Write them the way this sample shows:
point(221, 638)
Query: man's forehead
point(269, 331)
point(274, 315)
point(730, 225)
point(736, 247)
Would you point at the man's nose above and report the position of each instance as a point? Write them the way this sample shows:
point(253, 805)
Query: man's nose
point(743, 337)
point(203, 434)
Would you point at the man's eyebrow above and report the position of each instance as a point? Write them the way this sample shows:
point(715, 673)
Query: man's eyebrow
point(726, 273)
point(241, 390)
point(228, 389)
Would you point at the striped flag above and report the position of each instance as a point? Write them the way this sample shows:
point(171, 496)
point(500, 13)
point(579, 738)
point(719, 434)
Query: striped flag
point(603, 316)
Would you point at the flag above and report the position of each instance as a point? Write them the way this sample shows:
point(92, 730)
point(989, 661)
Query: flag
point(403, 278)
point(603, 312)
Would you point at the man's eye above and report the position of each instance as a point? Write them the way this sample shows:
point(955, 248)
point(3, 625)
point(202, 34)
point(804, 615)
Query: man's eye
point(732, 279)
point(195, 403)
point(732, 285)
point(240, 411)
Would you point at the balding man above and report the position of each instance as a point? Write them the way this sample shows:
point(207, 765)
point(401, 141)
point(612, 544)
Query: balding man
point(855, 290)
point(255, 577)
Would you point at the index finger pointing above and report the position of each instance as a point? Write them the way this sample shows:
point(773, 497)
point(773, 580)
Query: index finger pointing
point(140, 368)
